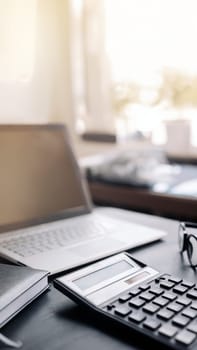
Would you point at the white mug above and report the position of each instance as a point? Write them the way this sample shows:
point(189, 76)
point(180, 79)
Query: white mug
point(178, 136)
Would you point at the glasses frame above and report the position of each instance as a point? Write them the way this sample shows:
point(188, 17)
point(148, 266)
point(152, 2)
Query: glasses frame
point(184, 240)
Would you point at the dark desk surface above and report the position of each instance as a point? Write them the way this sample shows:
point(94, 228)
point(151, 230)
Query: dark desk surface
point(53, 322)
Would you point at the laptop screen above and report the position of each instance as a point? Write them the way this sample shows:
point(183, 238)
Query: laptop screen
point(39, 177)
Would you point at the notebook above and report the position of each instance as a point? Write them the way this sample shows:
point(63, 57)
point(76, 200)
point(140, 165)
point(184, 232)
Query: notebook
point(19, 286)
point(47, 218)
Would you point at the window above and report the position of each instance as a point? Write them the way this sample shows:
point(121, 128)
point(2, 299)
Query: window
point(139, 62)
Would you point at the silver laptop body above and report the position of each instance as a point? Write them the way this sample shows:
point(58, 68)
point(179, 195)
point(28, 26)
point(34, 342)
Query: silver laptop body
point(47, 219)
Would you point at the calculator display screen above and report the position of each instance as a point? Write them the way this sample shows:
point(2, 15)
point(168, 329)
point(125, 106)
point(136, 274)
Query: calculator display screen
point(103, 274)
point(138, 277)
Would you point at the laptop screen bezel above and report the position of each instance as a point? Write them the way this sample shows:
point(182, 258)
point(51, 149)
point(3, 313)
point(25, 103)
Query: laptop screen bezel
point(64, 214)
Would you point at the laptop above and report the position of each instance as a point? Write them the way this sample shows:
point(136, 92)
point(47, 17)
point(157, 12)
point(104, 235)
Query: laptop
point(47, 218)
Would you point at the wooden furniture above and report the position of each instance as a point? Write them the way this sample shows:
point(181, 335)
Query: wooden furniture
point(144, 200)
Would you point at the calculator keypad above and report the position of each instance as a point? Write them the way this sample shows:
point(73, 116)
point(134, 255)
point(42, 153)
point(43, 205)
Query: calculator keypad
point(166, 306)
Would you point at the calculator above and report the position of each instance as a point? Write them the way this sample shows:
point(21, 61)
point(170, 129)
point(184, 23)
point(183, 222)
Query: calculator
point(124, 290)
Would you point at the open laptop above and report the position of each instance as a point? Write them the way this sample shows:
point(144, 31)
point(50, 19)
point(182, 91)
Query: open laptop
point(47, 219)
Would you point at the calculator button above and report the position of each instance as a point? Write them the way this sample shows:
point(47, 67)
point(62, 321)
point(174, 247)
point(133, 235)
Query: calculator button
point(144, 287)
point(165, 314)
point(168, 330)
point(122, 310)
point(161, 301)
point(189, 313)
point(169, 296)
point(151, 308)
point(175, 279)
point(152, 324)
point(156, 291)
point(188, 284)
point(175, 307)
point(180, 289)
point(183, 301)
point(124, 298)
point(147, 296)
point(134, 291)
point(185, 337)
point(194, 305)
point(180, 320)
point(192, 294)
point(193, 326)
point(137, 317)
point(167, 284)
point(136, 302)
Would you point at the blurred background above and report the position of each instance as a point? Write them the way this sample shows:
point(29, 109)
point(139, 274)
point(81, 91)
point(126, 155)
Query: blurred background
point(124, 67)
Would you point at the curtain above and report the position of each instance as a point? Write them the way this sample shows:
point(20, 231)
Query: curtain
point(91, 81)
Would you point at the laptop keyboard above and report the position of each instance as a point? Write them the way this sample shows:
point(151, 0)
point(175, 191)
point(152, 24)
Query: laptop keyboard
point(38, 242)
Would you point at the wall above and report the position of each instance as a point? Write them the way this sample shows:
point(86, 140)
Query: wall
point(44, 95)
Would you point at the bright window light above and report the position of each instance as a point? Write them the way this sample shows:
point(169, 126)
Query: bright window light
point(152, 54)
point(145, 36)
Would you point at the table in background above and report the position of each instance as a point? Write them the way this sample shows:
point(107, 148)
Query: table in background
point(137, 199)
point(175, 197)
point(144, 200)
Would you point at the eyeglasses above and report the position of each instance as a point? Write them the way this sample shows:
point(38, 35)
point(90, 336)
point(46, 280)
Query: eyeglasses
point(187, 237)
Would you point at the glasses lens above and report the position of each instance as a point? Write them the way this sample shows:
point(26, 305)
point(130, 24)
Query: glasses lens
point(192, 250)
point(181, 233)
